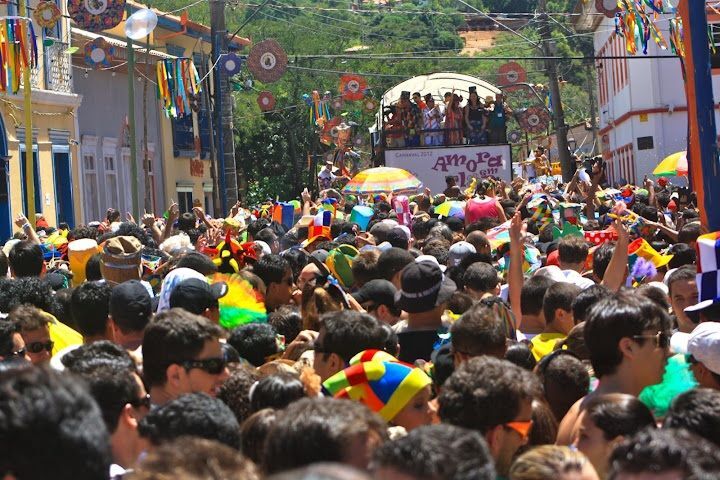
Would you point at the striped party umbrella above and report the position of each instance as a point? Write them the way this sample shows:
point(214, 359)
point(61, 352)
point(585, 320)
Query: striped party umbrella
point(451, 208)
point(673, 165)
point(383, 180)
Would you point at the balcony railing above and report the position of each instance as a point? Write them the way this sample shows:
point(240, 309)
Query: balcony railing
point(55, 70)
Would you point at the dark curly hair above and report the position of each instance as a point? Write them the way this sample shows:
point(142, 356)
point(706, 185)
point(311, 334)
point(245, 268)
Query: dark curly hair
point(697, 410)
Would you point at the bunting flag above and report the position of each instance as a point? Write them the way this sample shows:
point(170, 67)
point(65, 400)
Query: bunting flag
point(18, 51)
point(284, 214)
point(637, 25)
point(178, 83)
point(321, 225)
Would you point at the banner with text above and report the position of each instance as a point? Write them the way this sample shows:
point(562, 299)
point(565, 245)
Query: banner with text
point(432, 165)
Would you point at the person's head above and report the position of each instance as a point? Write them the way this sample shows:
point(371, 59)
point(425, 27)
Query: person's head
point(343, 335)
point(12, 346)
point(4, 264)
point(479, 331)
point(520, 354)
point(199, 297)
point(192, 414)
point(365, 267)
point(377, 297)
point(276, 391)
point(493, 397)
point(26, 259)
point(552, 462)
point(35, 332)
point(315, 430)
point(90, 306)
point(586, 299)
point(532, 294)
point(682, 255)
point(235, 391)
point(702, 348)
point(606, 421)
point(698, 411)
point(50, 427)
point(437, 452)
point(193, 458)
point(182, 354)
point(565, 380)
point(664, 454)
point(683, 292)
point(322, 471)
point(572, 253)
point(391, 262)
point(601, 259)
point(255, 342)
point(629, 336)
point(92, 268)
point(197, 261)
point(689, 233)
point(481, 279)
point(479, 240)
point(88, 356)
point(424, 289)
point(557, 306)
point(276, 273)
point(286, 321)
point(130, 309)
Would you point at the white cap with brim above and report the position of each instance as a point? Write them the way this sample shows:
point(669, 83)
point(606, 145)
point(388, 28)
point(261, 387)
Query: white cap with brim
point(702, 305)
point(703, 344)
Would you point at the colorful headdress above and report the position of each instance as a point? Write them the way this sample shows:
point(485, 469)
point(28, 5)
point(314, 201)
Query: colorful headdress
point(570, 213)
point(230, 256)
point(385, 387)
point(541, 211)
point(568, 230)
point(640, 248)
point(339, 261)
point(284, 213)
point(242, 304)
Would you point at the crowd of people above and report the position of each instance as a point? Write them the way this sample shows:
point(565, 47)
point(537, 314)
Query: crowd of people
point(540, 332)
point(423, 122)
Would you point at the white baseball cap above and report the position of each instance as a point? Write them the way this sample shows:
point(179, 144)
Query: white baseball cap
point(703, 344)
point(430, 258)
point(458, 251)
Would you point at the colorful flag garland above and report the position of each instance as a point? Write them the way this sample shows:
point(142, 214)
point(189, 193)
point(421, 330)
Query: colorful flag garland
point(178, 82)
point(18, 51)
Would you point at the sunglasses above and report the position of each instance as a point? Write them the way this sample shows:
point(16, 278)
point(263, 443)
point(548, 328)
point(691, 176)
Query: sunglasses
point(143, 402)
point(213, 366)
point(37, 347)
point(662, 339)
point(522, 428)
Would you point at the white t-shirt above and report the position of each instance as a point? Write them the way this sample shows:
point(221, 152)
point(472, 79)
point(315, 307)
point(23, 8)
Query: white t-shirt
point(571, 276)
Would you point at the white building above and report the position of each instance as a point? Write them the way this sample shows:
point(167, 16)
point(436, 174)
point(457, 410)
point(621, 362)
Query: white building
point(641, 101)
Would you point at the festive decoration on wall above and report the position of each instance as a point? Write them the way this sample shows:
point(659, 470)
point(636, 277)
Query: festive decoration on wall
point(267, 61)
point(329, 131)
point(177, 81)
point(352, 87)
point(635, 22)
point(370, 105)
point(47, 14)
point(99, 53)
point(96, 15)
point(510, 74)
point(140, 24)
point(607, 7)
point(515, 136)
point(319, 109)
point(19, 51)
point(231, 63)
point(266, 101)
point(534, 119)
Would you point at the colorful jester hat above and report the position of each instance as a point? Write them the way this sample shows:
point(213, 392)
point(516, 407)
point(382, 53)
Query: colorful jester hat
point(379, 381)
point(231, 256)
point(339, 261)
point(242, 304)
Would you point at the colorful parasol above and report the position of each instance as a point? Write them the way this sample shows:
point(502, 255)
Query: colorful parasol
point(673, 165)
point(451, 208)
point(383, 180)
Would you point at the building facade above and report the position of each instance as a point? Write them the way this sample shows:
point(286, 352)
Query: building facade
point(642, 102)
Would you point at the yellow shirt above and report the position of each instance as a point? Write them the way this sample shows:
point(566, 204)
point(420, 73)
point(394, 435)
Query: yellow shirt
point(62, 335)
point(544, 343)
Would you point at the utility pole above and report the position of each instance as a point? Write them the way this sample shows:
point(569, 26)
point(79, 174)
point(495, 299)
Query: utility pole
point(223, 109)
point(591, 95)
point(548, 47)
point(131, 123)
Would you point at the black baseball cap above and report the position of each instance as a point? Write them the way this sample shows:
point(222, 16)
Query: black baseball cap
point(378, 291)
point(196, 295)
point(423, 287)
point(130, 301)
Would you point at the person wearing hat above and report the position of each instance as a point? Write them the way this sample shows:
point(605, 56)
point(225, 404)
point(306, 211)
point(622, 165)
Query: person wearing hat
point(121, 260)
point(326, 177)
point(702, 351)
point(708, 307)
point(475, 119)
point(377, 297)
point(199, 297)
point(432, 118)
point(424, 293)
point(130, 312)
point(497, 122)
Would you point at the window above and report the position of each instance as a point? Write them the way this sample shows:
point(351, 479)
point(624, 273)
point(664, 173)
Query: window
point(714, 45)
point(90, 178)
point(112, 184)
point(185, 201)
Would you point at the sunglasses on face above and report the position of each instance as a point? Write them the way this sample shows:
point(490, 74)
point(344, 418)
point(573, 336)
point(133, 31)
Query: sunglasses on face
point(522, 428)
point(213, 366)
point(143, 402)
point(662, 339)
point(37, 347)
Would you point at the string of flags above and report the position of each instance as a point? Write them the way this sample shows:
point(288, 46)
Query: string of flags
point(635, 22)
point(18, 51)
point(178, 86)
